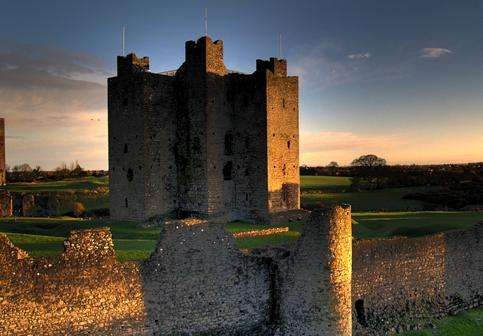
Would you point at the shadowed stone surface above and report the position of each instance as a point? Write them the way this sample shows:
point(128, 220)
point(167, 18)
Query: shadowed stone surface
point(203, 139)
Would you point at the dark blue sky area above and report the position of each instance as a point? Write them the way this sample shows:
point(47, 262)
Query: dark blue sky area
point(398, 78)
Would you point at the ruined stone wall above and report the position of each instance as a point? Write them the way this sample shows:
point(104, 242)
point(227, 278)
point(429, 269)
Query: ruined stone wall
point(399, 283)
point(316, 280)
point(3, 173)
point(6, 204)
point(83, 291)
point(282, 136)
point(198, 282)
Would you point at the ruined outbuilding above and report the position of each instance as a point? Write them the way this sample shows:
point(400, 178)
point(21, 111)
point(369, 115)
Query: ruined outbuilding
point(203, 139)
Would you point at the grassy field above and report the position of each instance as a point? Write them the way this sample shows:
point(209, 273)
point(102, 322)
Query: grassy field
point(45, 236)
point(468, 323)
point(84, 183)
point(328, 190)
point(380, 213)
point(316, 191)
point(411, 224)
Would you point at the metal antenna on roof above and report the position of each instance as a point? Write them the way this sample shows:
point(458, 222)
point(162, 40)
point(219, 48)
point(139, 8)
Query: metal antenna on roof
point(280, 46)
point(206, 21)
point(123, 40)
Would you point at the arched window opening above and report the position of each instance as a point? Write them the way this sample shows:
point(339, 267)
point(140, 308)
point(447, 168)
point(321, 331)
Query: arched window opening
point(284, 169)
point(288, 144)
point(125, 148)
point(130, 175)
point(283, 102)
point(360, 313)
point(125, 202)
point(228, 143)
point(227, 171)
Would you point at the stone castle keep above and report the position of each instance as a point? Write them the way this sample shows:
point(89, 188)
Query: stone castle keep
point(203, 139)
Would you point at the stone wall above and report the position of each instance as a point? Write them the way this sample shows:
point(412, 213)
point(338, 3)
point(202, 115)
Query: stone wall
point(197, 282)
point(316, 280)
point(85, 290)
point(400, 284)
point(6, 204)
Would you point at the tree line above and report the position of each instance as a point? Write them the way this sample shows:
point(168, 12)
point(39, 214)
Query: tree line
point(25, 173)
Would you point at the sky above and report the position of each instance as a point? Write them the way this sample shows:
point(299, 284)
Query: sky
point(399, 79)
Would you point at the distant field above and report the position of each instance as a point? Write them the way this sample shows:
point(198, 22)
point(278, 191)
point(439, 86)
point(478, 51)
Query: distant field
point(329, 190)
point(84, 183)
point(326, 183)
point(411, 224)
point(315, 191)
point(468, 323)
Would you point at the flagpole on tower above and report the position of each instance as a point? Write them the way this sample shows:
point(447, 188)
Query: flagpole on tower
point(280, 46)
point(206, 21)
point(124, 40)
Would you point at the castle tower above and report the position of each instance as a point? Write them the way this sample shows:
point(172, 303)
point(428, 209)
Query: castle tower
point(316, 298)
point(3, 173)
point(203, 139)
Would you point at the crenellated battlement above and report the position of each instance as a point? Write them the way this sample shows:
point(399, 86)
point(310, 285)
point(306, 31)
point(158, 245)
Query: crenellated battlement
point(131, 64)
point(205, 54)
point(277, 66)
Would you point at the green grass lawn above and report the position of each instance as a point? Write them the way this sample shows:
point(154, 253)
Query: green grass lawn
point(84, 183)
point(468, 323)
point(328, 190)
point(325, 183)
point(411, 224)
point(45, 236)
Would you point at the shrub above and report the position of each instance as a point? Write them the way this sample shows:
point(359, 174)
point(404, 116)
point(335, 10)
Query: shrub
point(79, 209)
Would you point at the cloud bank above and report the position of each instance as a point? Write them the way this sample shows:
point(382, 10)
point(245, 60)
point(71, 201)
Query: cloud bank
point(54, 103)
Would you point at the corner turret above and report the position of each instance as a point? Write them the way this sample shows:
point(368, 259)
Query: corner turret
point(277, 66)
point(131, 64)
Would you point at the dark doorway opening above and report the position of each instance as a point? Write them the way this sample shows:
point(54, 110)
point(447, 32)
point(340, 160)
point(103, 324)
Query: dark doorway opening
point(360, 312)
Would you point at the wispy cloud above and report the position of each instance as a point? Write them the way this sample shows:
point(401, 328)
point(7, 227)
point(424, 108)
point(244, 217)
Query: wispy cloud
point(327, 65)
point(434, 52)
point(359, 56)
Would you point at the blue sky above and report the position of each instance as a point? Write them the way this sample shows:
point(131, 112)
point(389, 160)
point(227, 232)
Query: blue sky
point(403, 80)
